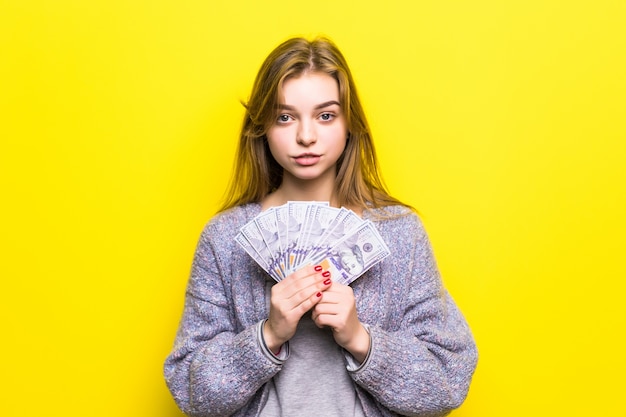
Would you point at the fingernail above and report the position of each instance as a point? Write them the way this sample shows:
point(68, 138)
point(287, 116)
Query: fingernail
point(327, 282)
point(326, 274)
point(319, 294)
point(318, 268)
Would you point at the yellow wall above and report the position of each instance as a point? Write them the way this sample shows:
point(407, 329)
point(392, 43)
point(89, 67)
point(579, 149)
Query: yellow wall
point(502, 121)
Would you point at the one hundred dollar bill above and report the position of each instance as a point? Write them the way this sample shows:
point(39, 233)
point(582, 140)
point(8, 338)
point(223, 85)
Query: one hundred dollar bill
point(352, 256)
point(252, 235)
point(266, 224)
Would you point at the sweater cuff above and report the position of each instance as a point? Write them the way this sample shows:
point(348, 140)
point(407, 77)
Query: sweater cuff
point(353, 364)
point(278, 358)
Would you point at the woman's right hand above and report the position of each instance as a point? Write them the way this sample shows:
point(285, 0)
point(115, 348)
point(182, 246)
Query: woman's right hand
point(290, 299)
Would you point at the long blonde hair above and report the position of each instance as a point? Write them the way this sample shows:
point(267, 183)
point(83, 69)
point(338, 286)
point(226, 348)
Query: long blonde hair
point(256, 173)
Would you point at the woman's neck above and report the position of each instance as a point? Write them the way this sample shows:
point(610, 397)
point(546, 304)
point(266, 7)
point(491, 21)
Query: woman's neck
point(299, 190)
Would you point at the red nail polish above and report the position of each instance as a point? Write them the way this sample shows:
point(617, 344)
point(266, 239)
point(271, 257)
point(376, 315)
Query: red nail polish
point(326, 274)
point(318, 268)
point(327, 282)
point(319, 294)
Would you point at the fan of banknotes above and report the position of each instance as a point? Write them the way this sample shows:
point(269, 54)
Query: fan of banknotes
point(285, 238)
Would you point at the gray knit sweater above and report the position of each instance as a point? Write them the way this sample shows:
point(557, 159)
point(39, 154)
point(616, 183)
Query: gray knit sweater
point(423, 354)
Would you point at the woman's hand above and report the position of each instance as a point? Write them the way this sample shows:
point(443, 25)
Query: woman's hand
point(290, 299)
point(337, 310)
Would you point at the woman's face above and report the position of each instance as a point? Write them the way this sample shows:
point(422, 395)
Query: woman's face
point(309, 133)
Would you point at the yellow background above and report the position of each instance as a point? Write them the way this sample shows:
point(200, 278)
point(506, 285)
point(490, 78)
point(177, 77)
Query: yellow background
point(501, 121)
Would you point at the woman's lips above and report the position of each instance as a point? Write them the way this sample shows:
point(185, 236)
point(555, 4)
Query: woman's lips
point(307, 159)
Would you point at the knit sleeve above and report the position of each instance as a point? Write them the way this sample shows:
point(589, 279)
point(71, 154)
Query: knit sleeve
point(215, 368)
point(421, 360)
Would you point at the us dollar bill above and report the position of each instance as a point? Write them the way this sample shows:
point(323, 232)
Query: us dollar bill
point(282, 224)
point(297, 213)
point(254, 239)
point(345, 221)
point(266, 224)
point(352, 256)
point(249, 248)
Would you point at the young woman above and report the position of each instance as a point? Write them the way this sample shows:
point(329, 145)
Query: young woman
point(391, 343)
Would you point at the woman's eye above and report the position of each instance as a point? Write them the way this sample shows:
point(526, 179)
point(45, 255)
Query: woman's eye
point(283, 118)
point(326, 117)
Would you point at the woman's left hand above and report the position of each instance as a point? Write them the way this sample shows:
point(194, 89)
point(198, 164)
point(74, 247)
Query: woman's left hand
point(337, 310)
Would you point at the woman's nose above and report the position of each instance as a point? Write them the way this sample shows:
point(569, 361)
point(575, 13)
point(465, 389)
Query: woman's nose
point(306, 134)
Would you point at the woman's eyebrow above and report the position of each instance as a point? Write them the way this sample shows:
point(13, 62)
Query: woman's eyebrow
point(327, 104)
point(317, 107)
